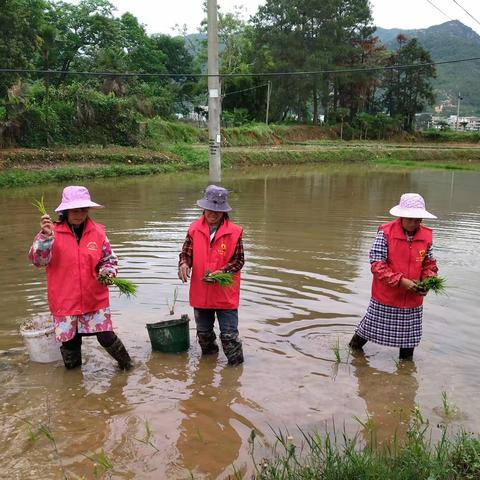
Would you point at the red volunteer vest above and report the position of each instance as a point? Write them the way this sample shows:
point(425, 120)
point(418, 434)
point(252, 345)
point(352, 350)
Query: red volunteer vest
point(405, 257)
point(211, 257)
point(72, 283)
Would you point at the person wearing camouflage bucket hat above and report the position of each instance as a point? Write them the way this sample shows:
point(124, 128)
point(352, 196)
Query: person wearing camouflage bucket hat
point(213, 245)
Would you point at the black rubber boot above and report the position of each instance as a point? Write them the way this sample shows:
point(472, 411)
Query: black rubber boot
point(406, 353)
point(71, 358)
point(207, 342)
point(357, 342)
point(118, 351)
point(232, 347)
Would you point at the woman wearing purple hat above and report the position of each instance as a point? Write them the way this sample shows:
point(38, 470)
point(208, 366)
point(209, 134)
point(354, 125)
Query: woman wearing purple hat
point(214, 244)
point(401, 255)
point(78, 260)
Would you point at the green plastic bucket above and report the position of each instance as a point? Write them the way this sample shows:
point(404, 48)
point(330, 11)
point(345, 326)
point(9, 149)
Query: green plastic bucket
point(171, 336)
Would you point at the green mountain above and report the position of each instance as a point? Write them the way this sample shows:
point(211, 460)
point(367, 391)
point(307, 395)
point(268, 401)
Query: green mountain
point(448, 41)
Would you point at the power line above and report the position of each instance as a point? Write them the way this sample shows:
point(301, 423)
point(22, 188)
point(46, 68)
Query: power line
point(466, 11)
point(441, 11)
point(245, 89)
point(231, 75)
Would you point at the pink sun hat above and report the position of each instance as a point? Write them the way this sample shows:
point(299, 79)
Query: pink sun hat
point(412, 205)
point(76, 197)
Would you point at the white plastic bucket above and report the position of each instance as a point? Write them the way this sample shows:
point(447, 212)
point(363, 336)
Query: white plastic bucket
point(39, 338)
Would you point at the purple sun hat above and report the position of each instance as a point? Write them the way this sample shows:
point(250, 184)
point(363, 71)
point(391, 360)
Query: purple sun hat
point(215, 199)
point(412, 205)
point(76, 197)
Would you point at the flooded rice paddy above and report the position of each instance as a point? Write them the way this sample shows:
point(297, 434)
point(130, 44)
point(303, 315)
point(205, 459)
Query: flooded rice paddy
point(306, 284)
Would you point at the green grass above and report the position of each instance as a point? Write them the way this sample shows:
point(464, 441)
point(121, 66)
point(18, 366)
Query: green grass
point(316, 457)
point(450, 136)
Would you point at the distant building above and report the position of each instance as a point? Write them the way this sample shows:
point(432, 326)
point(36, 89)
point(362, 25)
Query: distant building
point(467, 124)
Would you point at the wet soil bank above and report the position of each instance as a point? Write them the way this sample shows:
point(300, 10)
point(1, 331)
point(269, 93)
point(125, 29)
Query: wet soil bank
point(21, 167)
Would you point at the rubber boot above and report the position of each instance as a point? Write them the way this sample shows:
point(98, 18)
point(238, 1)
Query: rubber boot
point(232, 347)
point(118, 351)
point(406, 353)
point(357, 342)
point(207, 342)
point(71, 358)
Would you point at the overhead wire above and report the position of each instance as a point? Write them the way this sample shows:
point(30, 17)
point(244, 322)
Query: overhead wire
point(466, 11)
point(439, 9)
point(245, 89)
point(231, 75)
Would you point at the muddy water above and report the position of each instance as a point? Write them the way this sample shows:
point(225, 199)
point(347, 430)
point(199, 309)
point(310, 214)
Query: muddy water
point(305, 286)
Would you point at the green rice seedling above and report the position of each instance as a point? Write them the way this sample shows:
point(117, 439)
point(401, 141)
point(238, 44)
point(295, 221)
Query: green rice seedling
point(101, 459)
point(125, 287)
point(436, 284)
point(336, 351)
point(40, 206)
point(223, 279)
point(148, 438)
point(171, 307)
point(449, 408)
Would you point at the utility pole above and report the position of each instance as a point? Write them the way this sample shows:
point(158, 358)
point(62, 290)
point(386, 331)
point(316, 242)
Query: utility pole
point(458, 110)
point(213, 95)
point(269, 91)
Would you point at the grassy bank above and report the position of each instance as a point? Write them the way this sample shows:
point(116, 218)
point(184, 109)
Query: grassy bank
point(320, 458)
point(20, 167)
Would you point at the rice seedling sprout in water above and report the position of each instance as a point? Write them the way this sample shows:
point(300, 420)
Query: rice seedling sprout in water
point(171, 307)
point(436, 284)
point(336, 351)
point(222, 278)
point(448, 408)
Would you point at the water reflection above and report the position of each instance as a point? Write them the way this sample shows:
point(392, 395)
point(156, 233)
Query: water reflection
point(78, 408)
point(209, 440)
point(306, 285)
point(389, 397)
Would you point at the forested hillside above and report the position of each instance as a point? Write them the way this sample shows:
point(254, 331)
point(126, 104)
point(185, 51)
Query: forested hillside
point(448, 41)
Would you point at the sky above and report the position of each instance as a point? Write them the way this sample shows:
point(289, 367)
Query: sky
point(161, 16)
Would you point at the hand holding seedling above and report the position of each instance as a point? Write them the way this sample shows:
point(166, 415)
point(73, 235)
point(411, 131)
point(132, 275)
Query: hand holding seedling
point(46, 225)
point(184, 272)
point(412, 287)
point(105, 279)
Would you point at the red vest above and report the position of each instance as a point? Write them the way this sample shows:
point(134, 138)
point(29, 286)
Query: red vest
point(72, 283)
point(211, 257)
point(405, 257)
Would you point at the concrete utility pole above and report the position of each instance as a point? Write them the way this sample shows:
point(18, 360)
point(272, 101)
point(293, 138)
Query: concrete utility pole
point(269, 90)
point(458, 110)
point(213, 95)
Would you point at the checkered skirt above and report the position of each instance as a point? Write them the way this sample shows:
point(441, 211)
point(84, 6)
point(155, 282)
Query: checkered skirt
point(391, 326)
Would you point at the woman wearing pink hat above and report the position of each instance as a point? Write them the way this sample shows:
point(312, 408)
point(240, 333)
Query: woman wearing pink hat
point(401, 255)
point(78, 257)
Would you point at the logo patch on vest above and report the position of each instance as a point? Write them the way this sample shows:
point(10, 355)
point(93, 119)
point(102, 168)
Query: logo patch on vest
point(421, 255)
point(222, 249)
point(92, 246)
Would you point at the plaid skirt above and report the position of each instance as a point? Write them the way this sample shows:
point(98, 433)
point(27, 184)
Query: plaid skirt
point(391, 326)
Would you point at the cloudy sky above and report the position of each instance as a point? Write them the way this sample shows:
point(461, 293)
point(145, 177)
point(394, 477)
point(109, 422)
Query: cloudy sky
point(161, 16)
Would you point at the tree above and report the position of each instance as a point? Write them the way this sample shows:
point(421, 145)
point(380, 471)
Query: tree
point(20, 24)
point(311, 35)
point(408, 90)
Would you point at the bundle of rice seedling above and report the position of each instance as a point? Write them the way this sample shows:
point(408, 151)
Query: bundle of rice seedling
point(40, 206)
point(436, 284)
point(125, 287)
point(223, 279)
